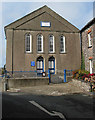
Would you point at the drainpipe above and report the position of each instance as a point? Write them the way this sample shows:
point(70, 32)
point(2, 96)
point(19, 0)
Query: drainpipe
point(12, 48)
point(81, 47)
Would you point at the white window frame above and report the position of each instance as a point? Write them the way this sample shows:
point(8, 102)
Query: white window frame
point(89, 39)
point(30, 43)
point(53, 44)
point(40, 66)
point(41, 44)
point(91, 66)
point(64, 47)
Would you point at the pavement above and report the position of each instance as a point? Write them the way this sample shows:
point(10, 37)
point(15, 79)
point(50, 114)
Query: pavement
point(52, 89)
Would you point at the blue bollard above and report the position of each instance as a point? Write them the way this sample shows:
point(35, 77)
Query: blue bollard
point(64, 75)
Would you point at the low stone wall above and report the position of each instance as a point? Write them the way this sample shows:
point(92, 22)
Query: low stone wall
point(85, 86)
point(68, 78)
point(26, 82)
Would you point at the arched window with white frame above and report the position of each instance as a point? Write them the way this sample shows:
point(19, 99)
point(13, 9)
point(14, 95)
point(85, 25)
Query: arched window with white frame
point(40, 43)
point(28, 43)
point(51, 44)
point(62, 44)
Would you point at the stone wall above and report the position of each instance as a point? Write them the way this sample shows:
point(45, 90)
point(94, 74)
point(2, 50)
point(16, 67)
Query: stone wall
point(85, 86)
point(94, 48)
point(88, 51)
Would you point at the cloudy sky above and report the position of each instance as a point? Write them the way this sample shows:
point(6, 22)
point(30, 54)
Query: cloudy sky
point(77, 13)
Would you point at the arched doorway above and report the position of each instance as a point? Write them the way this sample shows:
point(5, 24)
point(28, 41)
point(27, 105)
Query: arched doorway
point(51, 62)
point(40, 65)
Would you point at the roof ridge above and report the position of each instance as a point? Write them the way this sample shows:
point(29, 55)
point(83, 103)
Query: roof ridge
point(40, 10)
point(26, 15)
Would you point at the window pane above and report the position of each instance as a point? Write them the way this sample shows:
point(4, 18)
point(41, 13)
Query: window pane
point(37, 64)
point(89, 39)
point(40, 43)
point(51, 66)
point(41, 64)
point(27, 41)
point(62, 43)
point(51, 43)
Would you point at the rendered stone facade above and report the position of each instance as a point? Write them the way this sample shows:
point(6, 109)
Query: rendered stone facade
point(16, 57)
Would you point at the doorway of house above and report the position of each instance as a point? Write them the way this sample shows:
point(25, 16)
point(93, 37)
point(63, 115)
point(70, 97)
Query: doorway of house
point(40, 65)
point(51, 62)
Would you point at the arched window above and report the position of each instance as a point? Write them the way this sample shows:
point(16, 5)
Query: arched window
point(62, 44)
point(51, 44)
point(40, 43)
point(28, 42)
point(40, 65)
point(51, 61)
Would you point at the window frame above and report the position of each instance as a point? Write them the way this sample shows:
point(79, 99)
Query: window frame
point(91, 66)
point(89, 40)
point(41, 43)
point(64, 44)
point(28, 34)
point(53, 44)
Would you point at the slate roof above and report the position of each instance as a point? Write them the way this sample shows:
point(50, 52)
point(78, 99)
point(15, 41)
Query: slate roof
point(88, 24)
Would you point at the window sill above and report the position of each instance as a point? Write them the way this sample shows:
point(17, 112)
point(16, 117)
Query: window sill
point(51, 53)
point(90, 47)
point(40, 52)
point(63, 53)
point(28, 52)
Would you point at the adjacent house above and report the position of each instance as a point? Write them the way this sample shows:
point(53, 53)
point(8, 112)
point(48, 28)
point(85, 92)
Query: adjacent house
point(43, 40)
point(88, 45)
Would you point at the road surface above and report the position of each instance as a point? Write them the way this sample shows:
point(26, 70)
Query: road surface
point(30, 106)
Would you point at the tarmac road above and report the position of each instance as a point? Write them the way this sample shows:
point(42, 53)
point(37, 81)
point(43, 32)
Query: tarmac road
point(20, 105)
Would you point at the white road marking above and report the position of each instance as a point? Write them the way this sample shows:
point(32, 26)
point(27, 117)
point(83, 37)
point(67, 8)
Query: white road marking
point(52, 114)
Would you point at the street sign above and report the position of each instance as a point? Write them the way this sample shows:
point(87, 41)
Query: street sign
point(45, 24)
point(33, 63)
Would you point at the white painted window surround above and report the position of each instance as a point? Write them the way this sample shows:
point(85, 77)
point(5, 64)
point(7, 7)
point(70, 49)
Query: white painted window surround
point(91, 66)
point(28, 43)
point(62, 44)
point(89, 39)
point(51, 44)
point(40, 43)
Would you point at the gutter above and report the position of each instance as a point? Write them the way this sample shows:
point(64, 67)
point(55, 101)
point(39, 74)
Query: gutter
point(81, 47)
point(12, 48)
